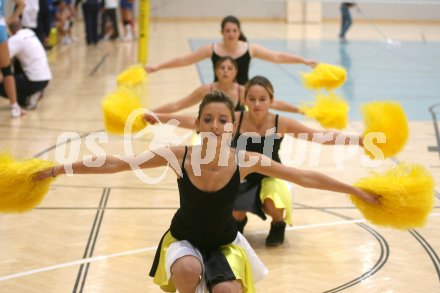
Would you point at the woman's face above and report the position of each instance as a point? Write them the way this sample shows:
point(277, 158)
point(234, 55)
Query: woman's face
point(226, 71)
point(230, 32)
point(258, 100)
point(215, 118)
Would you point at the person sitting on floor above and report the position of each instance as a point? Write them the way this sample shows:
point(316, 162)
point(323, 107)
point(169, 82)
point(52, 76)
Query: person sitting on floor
point(35, 74)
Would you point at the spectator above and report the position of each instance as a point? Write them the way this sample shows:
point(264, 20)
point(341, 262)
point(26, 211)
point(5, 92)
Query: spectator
point(25, 46)
point(63, 21)
point(109, 23)
point(8, 83)
point(346, 20)
point(126, 10)
point(90, 11)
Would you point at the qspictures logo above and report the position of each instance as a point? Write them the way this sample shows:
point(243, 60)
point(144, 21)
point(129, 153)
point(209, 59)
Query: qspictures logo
point(164, 136)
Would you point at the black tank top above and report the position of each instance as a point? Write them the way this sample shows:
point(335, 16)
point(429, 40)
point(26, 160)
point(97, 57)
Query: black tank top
point(239, 106)
point(205, 218)
point(242, 141)
point(243, 63)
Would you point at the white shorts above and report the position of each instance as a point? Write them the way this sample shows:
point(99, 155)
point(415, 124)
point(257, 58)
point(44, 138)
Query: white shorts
point(183, 248)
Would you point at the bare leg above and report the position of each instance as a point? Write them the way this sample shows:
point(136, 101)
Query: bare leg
point(122, 16)
point(186, 273)
point(240, 220)
point(239, 215)
point(8, 81)
point(271, 210)
point(227, 287)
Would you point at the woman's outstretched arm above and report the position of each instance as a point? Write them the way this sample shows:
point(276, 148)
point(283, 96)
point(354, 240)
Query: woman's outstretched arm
point(327, 137)
point(285, 107)
point(304, 178)
point(188, 59)
point(259, 51)
point(113, 164)
point(193, 98)
point(185, 121)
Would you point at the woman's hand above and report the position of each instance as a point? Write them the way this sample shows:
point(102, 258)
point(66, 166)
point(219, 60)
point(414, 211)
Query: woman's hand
point(369, 197)
point(311, 63)
point(151, 69)
point(147, 117)
point(50, 172)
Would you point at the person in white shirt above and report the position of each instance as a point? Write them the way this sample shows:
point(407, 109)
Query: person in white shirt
point(109, 22)
point(30, 14)
point(36, 17)
point(8, 83)
point(25, 46)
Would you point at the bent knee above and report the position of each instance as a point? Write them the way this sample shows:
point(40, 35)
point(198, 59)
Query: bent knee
point(187, 268)
point(269, 205)
point(227, 287)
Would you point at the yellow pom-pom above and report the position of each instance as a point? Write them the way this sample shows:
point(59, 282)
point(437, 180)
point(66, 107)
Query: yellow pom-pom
point(330, 111)
point(117, 108)
point(325, 76)
point(19, 192)
point(132, 76)
point(388, 118)
point(407, 192)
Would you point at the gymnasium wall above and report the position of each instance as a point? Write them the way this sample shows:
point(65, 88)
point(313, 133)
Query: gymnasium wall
point(394, 10)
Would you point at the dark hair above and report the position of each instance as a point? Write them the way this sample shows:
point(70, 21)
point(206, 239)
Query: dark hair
point(226, 58)
point(217, 97)
point(261, 81)
point(223, 59)
point(57, 2)
point(233, 19)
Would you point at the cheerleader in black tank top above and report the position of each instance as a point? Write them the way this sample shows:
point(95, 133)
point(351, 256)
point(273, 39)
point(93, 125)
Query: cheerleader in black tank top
point(260, 192)
point(202, 249)
point(234, 44)
point(225, 72)
point(238, 106)
point(203, 227)
point(258, 188)
point(242, 61)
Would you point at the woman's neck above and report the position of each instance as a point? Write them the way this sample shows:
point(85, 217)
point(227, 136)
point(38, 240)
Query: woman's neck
point(257, 121)
point(225, 85)
point(230, 46)
point(211, 156)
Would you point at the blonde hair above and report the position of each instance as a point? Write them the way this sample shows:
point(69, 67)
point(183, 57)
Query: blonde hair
point(261, 81)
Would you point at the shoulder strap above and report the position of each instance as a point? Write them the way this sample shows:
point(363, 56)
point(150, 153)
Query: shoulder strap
point(184, 156)
point(239, 121)
point(238, 105)
point(276, 123)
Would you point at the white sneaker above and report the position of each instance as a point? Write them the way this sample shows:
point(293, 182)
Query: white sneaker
point(129, 35)
point(105, 38)
point(65, 41)
point(16, 111)
point(32, 100)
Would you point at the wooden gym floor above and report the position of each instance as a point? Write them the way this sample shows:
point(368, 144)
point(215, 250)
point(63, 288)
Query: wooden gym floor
point(99, 233)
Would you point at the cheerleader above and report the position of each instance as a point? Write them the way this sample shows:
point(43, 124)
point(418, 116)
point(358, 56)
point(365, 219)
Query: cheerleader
point(203, 250)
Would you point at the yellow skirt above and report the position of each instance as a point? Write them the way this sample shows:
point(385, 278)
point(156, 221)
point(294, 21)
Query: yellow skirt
point(278, 191)
point(245, 264)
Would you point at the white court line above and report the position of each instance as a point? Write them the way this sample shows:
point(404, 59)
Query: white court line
point(104, 257)
point(74, 263)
